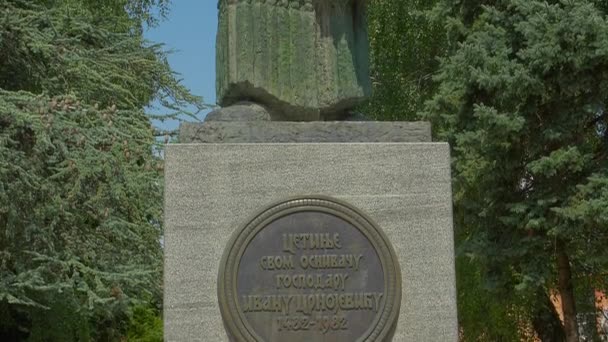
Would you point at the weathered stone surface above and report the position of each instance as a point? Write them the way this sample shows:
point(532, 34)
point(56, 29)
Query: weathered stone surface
point(304, 132)
point(242, 111)
point(213, 189)
point(304, 60)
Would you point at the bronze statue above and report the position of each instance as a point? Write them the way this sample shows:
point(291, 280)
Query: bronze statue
point(302, 60)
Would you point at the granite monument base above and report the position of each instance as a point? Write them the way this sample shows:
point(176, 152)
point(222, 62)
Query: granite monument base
point(212, 190)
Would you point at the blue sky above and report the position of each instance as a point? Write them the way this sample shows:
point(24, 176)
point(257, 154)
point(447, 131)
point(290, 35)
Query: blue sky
point(190, 30)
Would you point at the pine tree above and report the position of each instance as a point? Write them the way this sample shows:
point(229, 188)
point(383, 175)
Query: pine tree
point(80, 183)
point(522, 98)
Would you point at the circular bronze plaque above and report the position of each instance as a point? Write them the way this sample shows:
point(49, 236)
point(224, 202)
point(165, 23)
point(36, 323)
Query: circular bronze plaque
point(309, 269)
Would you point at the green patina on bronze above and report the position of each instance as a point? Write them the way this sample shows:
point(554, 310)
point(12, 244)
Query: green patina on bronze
point(301, 59)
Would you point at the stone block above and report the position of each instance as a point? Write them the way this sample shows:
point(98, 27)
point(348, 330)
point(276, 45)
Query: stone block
point(212, 190)
point(304, 132)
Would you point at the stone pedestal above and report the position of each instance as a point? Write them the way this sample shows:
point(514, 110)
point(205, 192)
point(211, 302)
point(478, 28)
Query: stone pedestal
point(213, 188)
point(304, 132)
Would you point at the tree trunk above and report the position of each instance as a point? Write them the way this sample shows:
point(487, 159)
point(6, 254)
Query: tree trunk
point(546, 322)
point(566, 291)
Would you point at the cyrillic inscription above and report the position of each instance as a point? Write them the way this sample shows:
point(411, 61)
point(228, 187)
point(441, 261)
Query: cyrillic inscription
point(311, 275)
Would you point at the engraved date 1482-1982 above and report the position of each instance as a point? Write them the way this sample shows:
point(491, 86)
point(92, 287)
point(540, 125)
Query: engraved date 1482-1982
point(304, 323)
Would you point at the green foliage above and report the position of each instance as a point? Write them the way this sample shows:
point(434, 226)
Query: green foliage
point(522, 98)
point(122, 16)
point(80, 198)
point(80, 184)
point(404, 46)
point(487, 316)
point(56, 52)
point(146, 325)
point(60, 322)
